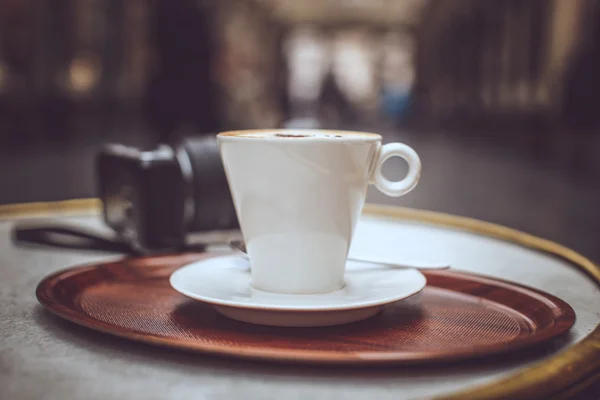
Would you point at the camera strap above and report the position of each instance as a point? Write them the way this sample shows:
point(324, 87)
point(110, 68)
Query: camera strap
point(70, 237)
point(78, 238)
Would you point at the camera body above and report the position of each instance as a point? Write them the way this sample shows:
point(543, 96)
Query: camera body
point(155, 199)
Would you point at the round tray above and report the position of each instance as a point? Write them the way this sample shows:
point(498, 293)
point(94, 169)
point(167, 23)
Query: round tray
point(457, 316)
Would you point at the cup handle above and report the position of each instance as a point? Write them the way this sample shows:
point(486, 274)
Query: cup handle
point(399, 188)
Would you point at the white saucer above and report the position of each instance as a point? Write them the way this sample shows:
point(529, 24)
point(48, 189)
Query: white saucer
point(225, 283)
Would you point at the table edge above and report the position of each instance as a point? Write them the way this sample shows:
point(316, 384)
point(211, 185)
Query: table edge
point(568, 371)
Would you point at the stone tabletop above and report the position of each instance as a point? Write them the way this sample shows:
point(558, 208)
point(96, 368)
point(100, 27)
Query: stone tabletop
point(44, 357)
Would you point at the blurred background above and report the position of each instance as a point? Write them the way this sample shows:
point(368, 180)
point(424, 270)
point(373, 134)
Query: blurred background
point(501, 98)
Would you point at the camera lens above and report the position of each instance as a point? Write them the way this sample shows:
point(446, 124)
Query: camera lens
point(212, 204)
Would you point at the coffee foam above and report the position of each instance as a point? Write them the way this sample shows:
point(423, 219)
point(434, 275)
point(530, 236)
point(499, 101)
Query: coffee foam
point(290, 135)
point(300, 135)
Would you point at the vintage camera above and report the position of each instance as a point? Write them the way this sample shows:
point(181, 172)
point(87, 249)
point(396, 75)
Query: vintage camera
point(157, 200)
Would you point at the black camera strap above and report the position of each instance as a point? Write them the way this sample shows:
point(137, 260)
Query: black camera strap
point(70, 237)
point(78, 238)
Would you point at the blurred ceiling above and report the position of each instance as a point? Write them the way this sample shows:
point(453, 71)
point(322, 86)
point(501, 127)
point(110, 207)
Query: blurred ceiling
point(383, 12)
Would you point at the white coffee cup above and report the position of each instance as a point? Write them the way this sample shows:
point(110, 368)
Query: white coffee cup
point(298, 195)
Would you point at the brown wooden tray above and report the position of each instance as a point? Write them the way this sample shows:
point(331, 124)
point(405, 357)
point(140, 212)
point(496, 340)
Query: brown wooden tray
point(457, 316)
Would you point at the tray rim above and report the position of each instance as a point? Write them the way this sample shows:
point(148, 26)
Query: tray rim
point(543, 379)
